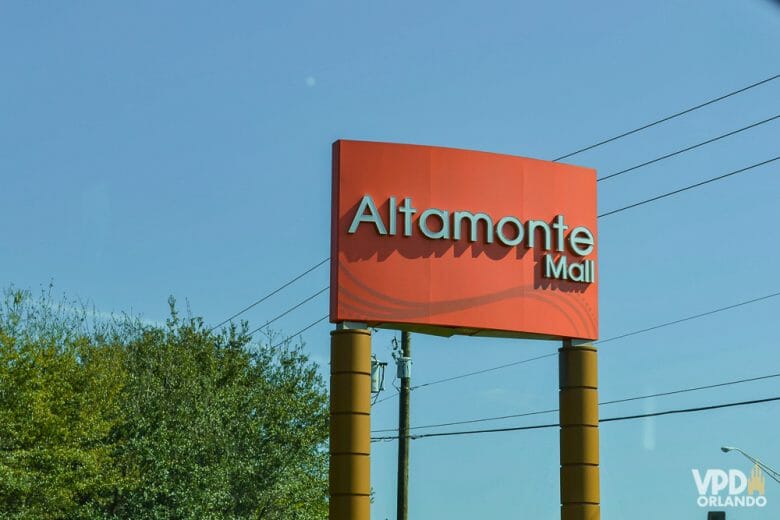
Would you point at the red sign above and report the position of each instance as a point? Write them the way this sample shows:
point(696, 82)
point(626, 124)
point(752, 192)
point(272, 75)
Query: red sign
point(450, 241)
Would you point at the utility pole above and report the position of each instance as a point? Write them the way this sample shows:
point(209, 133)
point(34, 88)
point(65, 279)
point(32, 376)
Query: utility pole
point(404, 374)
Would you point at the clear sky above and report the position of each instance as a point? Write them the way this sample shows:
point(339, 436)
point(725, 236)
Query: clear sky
point(156, 148)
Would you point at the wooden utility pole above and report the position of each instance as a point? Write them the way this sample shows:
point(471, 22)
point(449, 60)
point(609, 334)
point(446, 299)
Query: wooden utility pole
point(403, 426)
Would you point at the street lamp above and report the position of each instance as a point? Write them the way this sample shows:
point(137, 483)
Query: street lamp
point(769, 471)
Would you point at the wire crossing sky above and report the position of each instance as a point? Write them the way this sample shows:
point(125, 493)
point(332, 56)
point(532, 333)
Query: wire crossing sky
point(613, 401)
point(606, 420)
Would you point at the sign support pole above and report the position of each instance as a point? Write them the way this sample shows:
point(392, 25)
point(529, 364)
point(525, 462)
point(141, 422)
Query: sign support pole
point(579, 435)
point(350, 423)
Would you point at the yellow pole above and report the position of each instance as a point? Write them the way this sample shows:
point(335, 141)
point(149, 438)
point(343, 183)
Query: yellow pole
point(350, 424)
point(579, 419)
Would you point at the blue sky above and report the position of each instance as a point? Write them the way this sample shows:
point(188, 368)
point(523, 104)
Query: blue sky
point(183, 148)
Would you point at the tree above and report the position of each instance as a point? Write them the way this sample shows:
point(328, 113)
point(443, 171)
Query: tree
point(143, 421)
point(59, 401)
point(218, 430)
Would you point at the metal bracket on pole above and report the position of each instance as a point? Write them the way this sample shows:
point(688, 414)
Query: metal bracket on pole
point(351, 325)
point(404, 368)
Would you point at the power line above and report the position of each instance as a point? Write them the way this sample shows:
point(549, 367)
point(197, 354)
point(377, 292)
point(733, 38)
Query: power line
point(469, 374)
point(607, 420)
point(689, 410)
point(689, 318)
point(275, 291)
point(468, 432)
point(385, 399)
point(471, 421)
point(288, 311)
point(604, 403)
point(686, 188)
point(669, 117)
point(307, 327)
point(686, 149)
point(477, 372)
point(600, 342)
point(694, 389)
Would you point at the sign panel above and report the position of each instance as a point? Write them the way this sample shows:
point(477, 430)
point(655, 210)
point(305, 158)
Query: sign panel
point(449, 241)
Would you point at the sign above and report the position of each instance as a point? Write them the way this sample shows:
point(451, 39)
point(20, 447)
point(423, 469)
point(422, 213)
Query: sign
point(449, 241)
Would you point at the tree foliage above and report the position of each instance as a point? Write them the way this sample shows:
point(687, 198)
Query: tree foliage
point(120, 419)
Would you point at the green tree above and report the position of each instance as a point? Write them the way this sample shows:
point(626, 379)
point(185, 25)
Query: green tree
point(216, 429)
point(60, 396)
point(122, 419)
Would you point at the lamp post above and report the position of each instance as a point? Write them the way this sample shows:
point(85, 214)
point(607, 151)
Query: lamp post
point(769, 471)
